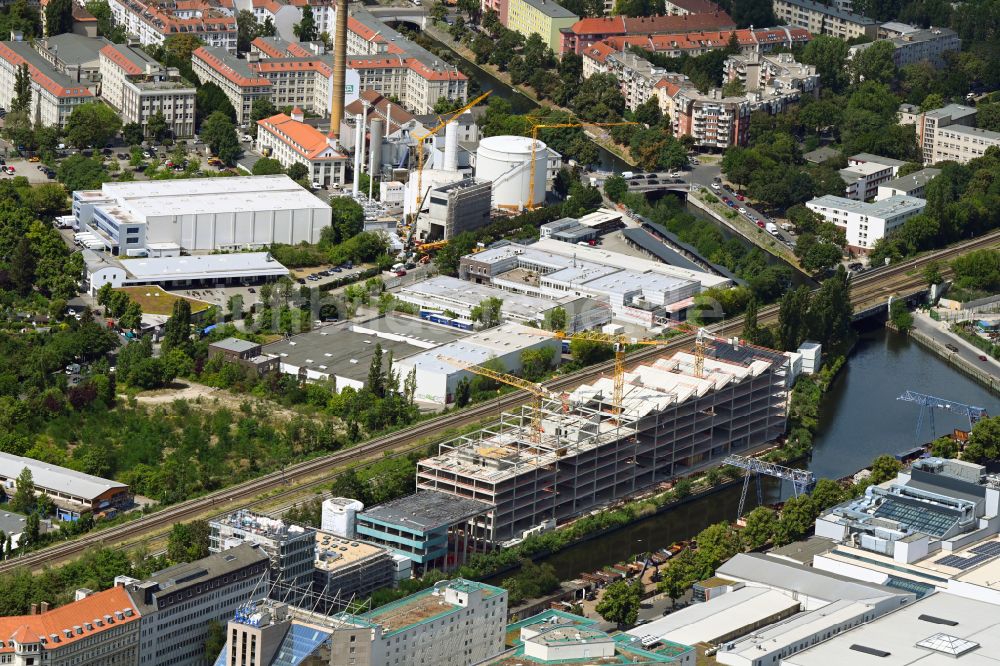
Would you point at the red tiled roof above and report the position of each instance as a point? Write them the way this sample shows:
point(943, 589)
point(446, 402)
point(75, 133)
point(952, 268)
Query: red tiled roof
point(689, 41)
point(291, 66)
point(304, 139)
point(267, 47)
point(225, 70)
point(385, 62)
point(600, 51)
point(378, 103)
point(650, 25)
point(79, 614)
point(117, 57)
point(41, 78)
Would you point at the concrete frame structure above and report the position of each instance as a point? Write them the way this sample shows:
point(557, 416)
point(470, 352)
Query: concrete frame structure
point(430, 528)
point(912, 185)
point(347, 569)
point(671, 423)
point(454, 208)
point(138, 87)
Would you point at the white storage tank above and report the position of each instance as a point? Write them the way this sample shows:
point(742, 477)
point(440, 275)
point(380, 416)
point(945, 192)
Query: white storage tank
point(338, 514)
point(506, 161)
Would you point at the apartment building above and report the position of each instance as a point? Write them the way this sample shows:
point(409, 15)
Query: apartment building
point(585, 32)
point(98, 629)
point(545, 18)
point(685, 7)
point(674, 45)
point(290, 140)
point(139, 87)
point(636, 76)
point(863, 180)
point(392, 65)
point(290, 549)
point(714, 121)
point(241, 84)
point(214, 23)
point(866, 223)
point(950, 133)
point(284, 14)
point(911, 185)
point(672, 420)
point(177, 603)
point(780, 72)
point(53, 95)
point(913, 46)
point(821, 19)
point(455, 623)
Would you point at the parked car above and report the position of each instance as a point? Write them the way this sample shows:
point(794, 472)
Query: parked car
point(952, 347)
point(982, 357)
point(743, 211)
point(716, 186)
point(741, 197)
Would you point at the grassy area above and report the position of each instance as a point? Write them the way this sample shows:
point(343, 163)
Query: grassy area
point(156, 301)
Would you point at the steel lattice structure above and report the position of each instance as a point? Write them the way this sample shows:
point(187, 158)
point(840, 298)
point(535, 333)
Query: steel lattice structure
point(929, 403)
point(801, 479)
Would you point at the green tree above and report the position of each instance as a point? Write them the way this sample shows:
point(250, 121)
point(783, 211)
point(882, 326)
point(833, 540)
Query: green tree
point(215, 639)
point(219, 132)
point(92, 125)
point(620, 603)
point(22, 90)
point(944, 447)
point(760, 527)
point(536, 363)
point(22, 266)
point(932, 273)
point(488, 312)
point(188, 542)
point(157, 128)
point(209, 99)
point(792, 322)
point(58, 17)
point(555, 319)
point(797, 516)
point(23, 500)
point(299, 172)
point(875, 63)
point(463, 392)
point(985, 436)
point(177, 330)
point(829, 55)
point(599, 99)
point(348, 220)
point(885, 468)
point(131, 318)
point(105, 21)
point(827, 493)
point(615, 188)
point(717, 543)
point(376, 378)
point(132, 134)
point(32, 531)
point(305, 30)
point(267, 166)
point(261, 108)
point(900, 315)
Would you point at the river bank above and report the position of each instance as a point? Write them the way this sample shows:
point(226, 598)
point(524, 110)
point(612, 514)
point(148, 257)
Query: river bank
point(956, 361)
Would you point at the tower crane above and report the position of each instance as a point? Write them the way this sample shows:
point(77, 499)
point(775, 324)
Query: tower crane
point(534, 145)
point(537, 391)
point(434, 130)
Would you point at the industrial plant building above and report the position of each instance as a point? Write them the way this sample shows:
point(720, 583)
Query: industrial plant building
point(637, 291)
point(290, 140)
point(582, 451)
point(201, 214)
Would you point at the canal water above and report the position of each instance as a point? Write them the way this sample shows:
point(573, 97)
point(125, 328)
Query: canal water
point(859, 420)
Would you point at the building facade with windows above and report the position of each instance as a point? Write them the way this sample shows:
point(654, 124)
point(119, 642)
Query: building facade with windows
point(213, 23)
point(577, 37)
point(139, 87)
point(821, 19)
point(178, 603)
point(545, 18)
point(241, 84)
point(866, 223)
point(913, 46)
point(53, 94)
point(290, 140)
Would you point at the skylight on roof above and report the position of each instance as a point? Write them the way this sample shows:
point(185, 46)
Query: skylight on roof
point(948, 644)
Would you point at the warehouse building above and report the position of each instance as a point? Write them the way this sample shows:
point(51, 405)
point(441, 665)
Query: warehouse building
point(201, 214)
point(71, 491)
point(503, 346)
point(455, 300)
point(342, 353)
point(672, 421)
point(200, 270)
point(430, 528)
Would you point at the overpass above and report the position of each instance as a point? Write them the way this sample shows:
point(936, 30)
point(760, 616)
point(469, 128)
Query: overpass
point(416, 16)
point(646, 183)
point(870, 292)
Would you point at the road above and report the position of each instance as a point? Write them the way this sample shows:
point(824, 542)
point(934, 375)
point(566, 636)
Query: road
point(938, 331)
point(868, 289)
point(746, 209)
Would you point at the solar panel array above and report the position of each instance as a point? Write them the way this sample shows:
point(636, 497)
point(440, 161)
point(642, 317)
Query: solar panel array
point(935, 522)
point(983, 553)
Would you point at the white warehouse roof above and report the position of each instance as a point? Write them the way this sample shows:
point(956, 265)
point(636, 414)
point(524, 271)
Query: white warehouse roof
point(199, 186)
point(477, 348)
point(53, 477)
point(202, 266)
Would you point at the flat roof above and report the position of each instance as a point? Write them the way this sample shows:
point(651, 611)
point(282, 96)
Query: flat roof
point(334, 552)
point(479, 347)
point(972, 131)
point(552, 9)
point(912, 181)
point(53, 477)
point(234, 345)
point(196, 186)
point(941, 629)
point(659, 249)
point(72, 48)
point(718, 617)
point(802, 552)
point(894, 205)
point(420, 607)
point(878, 159)
point(223, 202)
point(951, 111)
point(338, 350)
point(448, 291)
point(427, 510)
point(832, 11)
point(863, 169)
point(410, 329)
point(239, 264)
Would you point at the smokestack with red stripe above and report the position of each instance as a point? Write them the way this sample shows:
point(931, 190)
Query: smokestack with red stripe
point(339, 68)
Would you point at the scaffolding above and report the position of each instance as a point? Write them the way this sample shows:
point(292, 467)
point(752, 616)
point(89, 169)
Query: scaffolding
point(589, 455)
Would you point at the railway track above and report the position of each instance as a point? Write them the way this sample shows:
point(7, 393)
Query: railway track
point(869, 288)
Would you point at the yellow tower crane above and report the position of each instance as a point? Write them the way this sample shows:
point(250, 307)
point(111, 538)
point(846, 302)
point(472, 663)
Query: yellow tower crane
point(534, 145)
point(537, 391)
point(434, 130)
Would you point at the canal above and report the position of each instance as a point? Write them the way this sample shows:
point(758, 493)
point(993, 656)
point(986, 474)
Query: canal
point(859, 420)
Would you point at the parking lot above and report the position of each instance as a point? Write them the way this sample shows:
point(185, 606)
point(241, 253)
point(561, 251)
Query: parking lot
point(740, 204)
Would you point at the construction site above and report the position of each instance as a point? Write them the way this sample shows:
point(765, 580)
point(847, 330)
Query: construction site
point(566, 454)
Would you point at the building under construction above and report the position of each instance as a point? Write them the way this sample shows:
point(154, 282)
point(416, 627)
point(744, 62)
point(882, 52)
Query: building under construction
point(579, 451)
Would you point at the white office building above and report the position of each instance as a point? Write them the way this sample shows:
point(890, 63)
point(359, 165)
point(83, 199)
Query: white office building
point(201, 214)
point(866, 223)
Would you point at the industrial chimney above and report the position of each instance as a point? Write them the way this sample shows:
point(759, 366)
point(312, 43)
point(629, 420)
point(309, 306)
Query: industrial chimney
point(451, 146)
point(339, 68)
